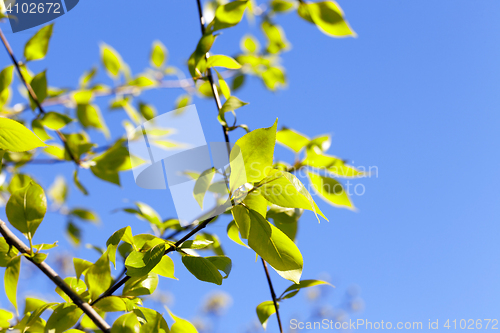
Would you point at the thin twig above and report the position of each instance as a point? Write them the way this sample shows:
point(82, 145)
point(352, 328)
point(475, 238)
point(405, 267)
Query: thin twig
point(33, 95)
point(120, 283)
point(273, 294)
point(226, 137)
point(13, 240)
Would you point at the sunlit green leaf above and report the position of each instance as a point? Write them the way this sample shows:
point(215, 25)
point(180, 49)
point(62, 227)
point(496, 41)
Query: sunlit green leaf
point(15, 137)
point(292, 139)
point(165, 268)
point(26, 209)
point(249, 44)
point(5, 318)
point(111, 304)
point(81, 265)
point(233, 234)
point(275, 247)
point(111, 60)
point(158, 54)
point(77, 285)
point(55, 121)
point(228, 15)
point(219, 60)
point(127, 323)
point(39, 85)
point(264, 311)
point(330, 190)
point(36, 48)
point(328, 17)
point(294, 288)
point(98, 277)
point(141, 285)
point(139, 263)
point(202, 269)
point(11, 277)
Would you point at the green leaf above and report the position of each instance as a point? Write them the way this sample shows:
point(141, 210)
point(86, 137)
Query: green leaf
point(6, 76)
point(275, 247)
point(111, 304)
point(328, 17)
point(222, 263)
point(141, 263)
point(127, 323)
point(195, 244)
point(39, 85)
point(7, 252)
point(84, 214)
point(36, 48)
point(228, 15)
point(26, 209)
point(155, 323)
point(78, 184)
point(158, 54)
point(257, 150)
point(202, 184)
point(87, 77)
point(39, 130)
point(332, 164)
point(165, 268)
point(142, 81)
point(249, 44)
point(55, 121)
point(58, 191)
point(11, 277)
point(5, 318)
point(111, 60)
point(145, 212)
point(141, 285)
point(90, 116)
point(147, 111)
point(264, 311)
point(77, 285)
point(181, 325)
point(321, 142)
point(276, 37)
point(330, 190)
point(74, 233)
point(294, 288)
point(219, 60)
point(274, 78)
point(204, 45)
point(231, 104)
point(285, 219)
point(233, 233)
point(18, 181)
point(182, 101)
point(15, 137)
point(124, 234)
point(285, 190)
point(281, 6)
point(238, 82)
point(98, 277)
point(292, 139)
point(203, 269)
point(81, 265)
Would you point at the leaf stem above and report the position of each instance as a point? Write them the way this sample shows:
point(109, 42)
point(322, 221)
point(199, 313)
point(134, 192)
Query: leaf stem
point(273, 294)
point(13, 240)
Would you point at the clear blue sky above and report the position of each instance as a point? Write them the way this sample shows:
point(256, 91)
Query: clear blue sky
point(416, 95)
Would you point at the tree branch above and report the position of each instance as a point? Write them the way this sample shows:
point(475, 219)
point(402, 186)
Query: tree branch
point(13, 240)
point(33, 95)
point(225, 129)
point(120, 283)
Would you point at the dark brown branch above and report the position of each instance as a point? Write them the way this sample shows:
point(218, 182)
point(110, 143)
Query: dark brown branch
point(13, 240)
point(273, 294)
point(33, 95)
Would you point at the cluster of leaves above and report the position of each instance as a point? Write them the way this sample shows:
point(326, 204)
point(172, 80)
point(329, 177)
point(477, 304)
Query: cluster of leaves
point(273, 193)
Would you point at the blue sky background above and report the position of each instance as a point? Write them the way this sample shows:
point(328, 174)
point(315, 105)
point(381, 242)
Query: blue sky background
point(416, 95)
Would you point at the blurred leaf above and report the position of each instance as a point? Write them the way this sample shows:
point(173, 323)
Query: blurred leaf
point(18, 181)
point(55, 121)
point(111, 60)
point(36, 48)
point(87, 77)
point(220, 60)
point(7, 252)
point(26, 209)
point(6, 76)
point(90, 115)
point(78, 184)
point(84, 214)
point(74, 233)
point(158, 54)
point(227, 15)
point(249, 44)
point(273, 78)
point(58, 191)
point(264, 311)
point(281, 6)
point(39, 130)
point(182, 101)
point(39, 85)
point(238, 82)
point(5, 318)
point(276, 37)
point(204, 45)
point(195, 244)
point(15, 137)
point(147, 111)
